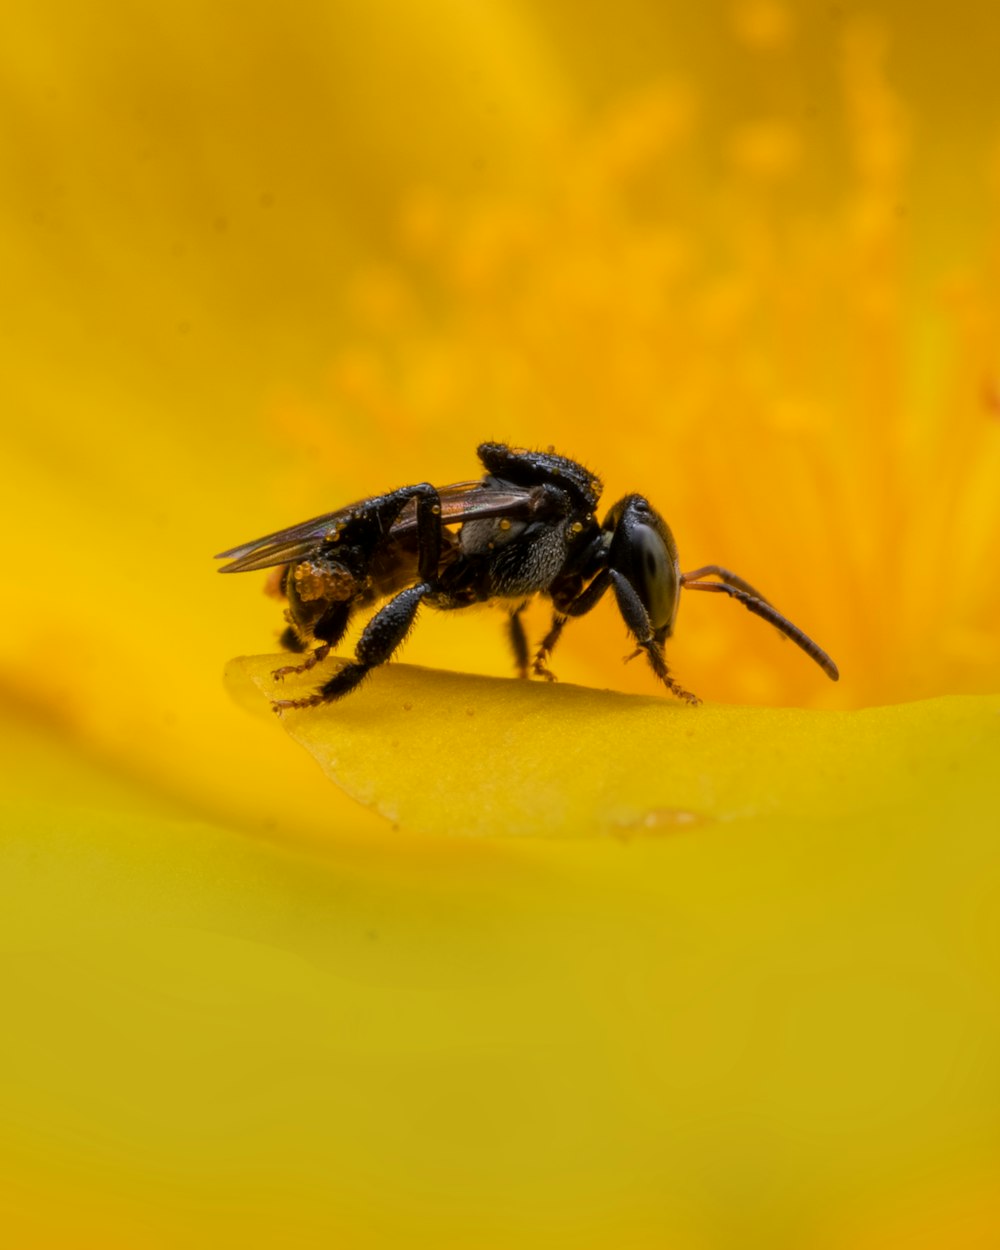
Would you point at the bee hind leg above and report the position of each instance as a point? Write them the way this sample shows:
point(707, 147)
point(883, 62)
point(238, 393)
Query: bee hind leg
point(291, 641)
point(382, 636)
point(316, 656)
point(390, 625)
point(329, 630)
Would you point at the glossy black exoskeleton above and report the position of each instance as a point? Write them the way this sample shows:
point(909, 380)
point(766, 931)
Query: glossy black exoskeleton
point(527, 528)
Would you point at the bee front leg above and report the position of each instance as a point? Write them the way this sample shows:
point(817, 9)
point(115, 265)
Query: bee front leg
point(637, 619)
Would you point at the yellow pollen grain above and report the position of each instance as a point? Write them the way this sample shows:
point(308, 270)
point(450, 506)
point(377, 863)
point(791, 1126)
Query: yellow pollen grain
point(504, 524)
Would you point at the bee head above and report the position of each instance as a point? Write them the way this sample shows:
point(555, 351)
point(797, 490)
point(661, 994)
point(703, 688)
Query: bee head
point(642, 549)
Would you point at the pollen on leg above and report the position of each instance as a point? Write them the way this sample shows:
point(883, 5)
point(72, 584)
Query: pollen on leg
point(330, 582)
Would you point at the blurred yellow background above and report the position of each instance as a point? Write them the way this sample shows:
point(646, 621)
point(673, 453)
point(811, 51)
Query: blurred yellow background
point(739, 256)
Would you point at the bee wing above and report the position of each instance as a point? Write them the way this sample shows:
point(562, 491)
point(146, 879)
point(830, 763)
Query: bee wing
point(283, 546)
point(462, 501)
point(471, 501)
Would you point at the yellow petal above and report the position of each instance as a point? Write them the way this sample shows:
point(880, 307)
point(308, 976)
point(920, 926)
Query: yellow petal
point(442, 753)
point(772, 1030)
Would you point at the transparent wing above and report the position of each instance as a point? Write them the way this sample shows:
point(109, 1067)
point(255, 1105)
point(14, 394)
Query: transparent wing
point(284, 546)
point(461, 501)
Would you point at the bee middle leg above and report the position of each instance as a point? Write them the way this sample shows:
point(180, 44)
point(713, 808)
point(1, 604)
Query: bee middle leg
point(567, 606)
point(539, 665)
point(518, 640)
point(383, 634)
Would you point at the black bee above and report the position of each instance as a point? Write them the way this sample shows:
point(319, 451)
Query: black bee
point(528, 527)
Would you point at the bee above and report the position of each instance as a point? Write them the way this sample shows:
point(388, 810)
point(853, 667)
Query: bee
point(528, 527)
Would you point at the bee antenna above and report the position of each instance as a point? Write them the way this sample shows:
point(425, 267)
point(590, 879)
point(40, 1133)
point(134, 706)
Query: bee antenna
point(759, 607)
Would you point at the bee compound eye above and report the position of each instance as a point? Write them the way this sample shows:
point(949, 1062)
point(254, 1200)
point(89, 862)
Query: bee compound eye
point(655, 576)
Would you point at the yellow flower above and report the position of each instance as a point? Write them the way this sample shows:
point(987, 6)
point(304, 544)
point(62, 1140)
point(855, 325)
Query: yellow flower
point(740, 257)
